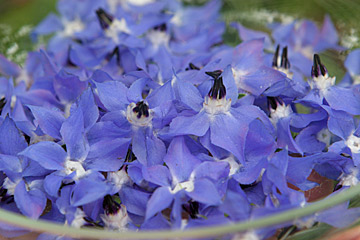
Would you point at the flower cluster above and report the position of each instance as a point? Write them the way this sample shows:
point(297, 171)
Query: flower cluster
point(138, 117)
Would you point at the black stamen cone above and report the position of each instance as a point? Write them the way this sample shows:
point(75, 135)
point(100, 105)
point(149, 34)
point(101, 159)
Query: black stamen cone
point(110, 206)
point(192, 208)
point(2, 104)
point(218, 90)
point(192, 67)
point(105, 19)
point(272, 103)
point(161, 27)
point(142, 109)
point(284, 59)
point(114, 53)
point(276, 55)
point(318, 68)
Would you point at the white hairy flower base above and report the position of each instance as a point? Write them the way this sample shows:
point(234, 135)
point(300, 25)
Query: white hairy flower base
point(324, 135)
point(353, 142)
point(158, 38)
point(78, 221)
point(349, 180)
point(117, 221)
point(281, 111)
point(134, 120)
point(75, 166)
point(216, 106)
point(322, 82)
point(116, 27)
point(72, 27)
point(119, 179)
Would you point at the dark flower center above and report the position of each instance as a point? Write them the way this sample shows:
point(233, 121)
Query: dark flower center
point(218, 90)
point(318, 68)
point(192, 67)
point(142, 109)
point(284, 62)
point(105, 19)
point(161, 27)
point(110, 206)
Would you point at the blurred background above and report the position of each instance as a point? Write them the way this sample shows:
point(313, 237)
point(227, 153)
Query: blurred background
point(17, 17)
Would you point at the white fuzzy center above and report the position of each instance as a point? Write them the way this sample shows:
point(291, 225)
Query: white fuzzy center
point(134, 120)
point(116, 27)
point(216, 106)
point(353, 143)
point(72, 27)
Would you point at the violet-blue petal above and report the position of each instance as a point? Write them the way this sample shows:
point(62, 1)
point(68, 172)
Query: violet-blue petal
point(212, 170)
point(68, 87)
point(11, 141)
point(352, 62)
point(157, 174)
point(107, 155)
point(284, 137)
point(196, 125)
point(31, 203)
point(236, 206)
point(339, 216)
point(160, 199)
point(112, 94)
point(344, 99)
point(187, 93)
point(179, 160)
point(52, 183)
point(249, 173)
point(134, 200)
point(88, 190)
point(49, 120)
point(8, 68)
point(156, 151)
point(308, 141)
point(259, 142)
point(49, 155)
point(340, 123)
point(229, 133)
point(205, 192)
point(49, 25)
point(11, 163)
point(229, 82)
point(89, 109)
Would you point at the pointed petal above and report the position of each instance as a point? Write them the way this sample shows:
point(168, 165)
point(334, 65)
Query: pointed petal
point(50, 121)
point(31, 203)
point(72, 132)
point(52, 183)
point(158, 174)
point(48, 154)
point(11, 141)
point(159, 200)
point(134, 200)
point(196, 125)
point(68, 87)
point(179, 160)
point(205, 192)
point(89, 109)
point(229, 133)
point(113, 95)
point(88, 190)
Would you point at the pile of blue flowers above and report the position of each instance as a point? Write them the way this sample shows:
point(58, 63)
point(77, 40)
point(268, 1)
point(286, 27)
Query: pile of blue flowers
point(137, 116)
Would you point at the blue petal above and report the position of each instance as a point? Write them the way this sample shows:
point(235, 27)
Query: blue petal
point(343, 99)
point(11, 163)
point(340, 123)
point(107, 155)
point(352, 62)
point(50, 121)
point(112, 94)
point(229, 133)
point(187, 93)
point(179, 160)
point(48, 154)
point(205, 192)
point(52, 183)
point(284, 137)
point(89, 108)
point(50, 24)
point(158, 174)
point(31, 203)
point(11, 141)
point(196, 125)
point(68, 87)
point(134, 200)
point(229, 82)
point(160, 199)
point(72, 131)
point(88, 190)
point(8, 68)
